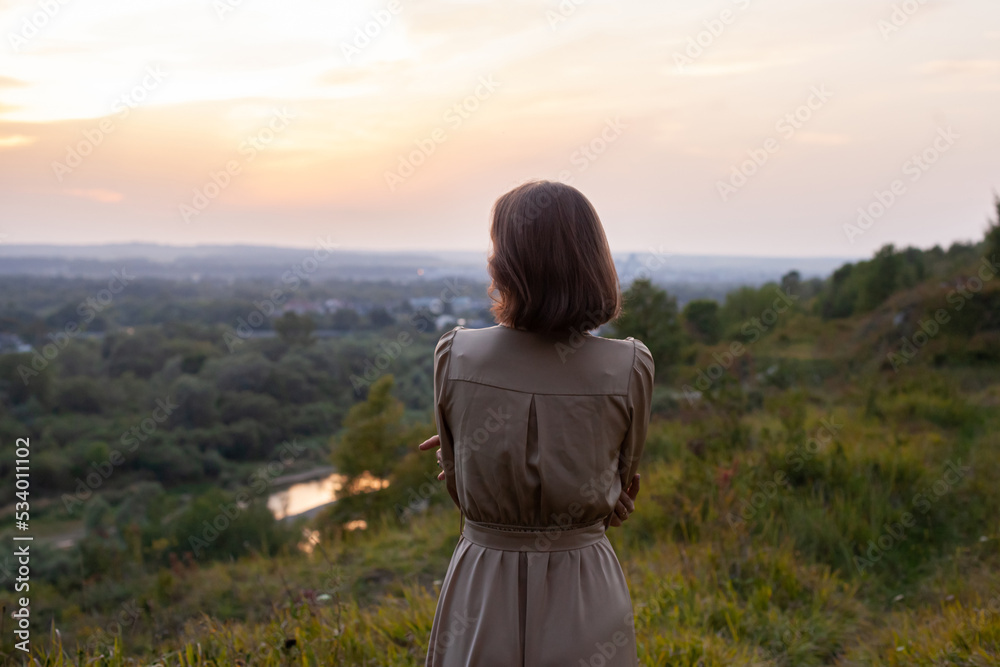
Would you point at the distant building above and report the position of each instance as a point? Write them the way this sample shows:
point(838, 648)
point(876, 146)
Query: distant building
point(12, 344)
point(444, 322)
point(333, 305)
point(461, 304)
point(302, 307)
point(431, 303)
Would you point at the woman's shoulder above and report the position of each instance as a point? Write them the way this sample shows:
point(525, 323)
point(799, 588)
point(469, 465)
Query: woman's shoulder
point(629, 343)
point(641, 358)
point(450, 334)
point(641, 351)
point(446, 340)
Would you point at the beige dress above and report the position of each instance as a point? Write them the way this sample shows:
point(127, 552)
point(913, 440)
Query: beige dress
point(538, 435)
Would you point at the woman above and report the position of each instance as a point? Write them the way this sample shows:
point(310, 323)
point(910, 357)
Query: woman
point(540, 426)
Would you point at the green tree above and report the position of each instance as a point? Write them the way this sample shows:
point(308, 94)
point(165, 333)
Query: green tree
point(23, 376)
point(374, 436)
point(881, 278)
point(380, 318)
point(743, 305)
point(345, 319)
point(216, 525)
point(195, 399)
point(295, 329)
point(142, 352)
point(79, 394)
point(993, 233)
point(702, 318)
point(840, 293)
point(650, 314)
point(791, 282)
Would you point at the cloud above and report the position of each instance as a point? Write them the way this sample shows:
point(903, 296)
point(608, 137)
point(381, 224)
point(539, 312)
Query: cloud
point(96, 194)
point(723, 69)
point(822, 138)
point(15, 140)
point(959, 67)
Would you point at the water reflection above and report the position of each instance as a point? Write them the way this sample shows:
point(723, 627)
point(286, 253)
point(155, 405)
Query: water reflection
point(305, 496)
point(310, 539)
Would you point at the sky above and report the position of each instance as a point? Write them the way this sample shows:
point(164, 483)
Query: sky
point(722, 127)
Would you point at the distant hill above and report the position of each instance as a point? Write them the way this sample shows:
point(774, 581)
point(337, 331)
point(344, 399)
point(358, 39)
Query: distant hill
point(245, 261)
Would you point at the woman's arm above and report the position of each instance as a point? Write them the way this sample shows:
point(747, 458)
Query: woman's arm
point(640, 390)
point(640, 396)
point(446, 455)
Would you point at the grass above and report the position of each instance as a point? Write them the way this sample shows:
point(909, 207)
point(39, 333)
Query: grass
point(772, 529)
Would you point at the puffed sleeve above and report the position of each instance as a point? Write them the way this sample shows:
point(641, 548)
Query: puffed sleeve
point(442, 362)
point(640, 393)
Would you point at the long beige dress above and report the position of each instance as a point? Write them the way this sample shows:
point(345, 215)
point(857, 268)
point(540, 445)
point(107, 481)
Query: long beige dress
point(538, 435)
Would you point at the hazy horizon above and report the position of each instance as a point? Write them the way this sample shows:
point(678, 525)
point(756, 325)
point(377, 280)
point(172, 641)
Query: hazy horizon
point(4, 247)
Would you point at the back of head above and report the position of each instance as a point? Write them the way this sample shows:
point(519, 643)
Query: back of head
point(550, 263)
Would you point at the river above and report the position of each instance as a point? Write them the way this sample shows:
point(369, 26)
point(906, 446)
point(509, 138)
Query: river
point(307, 496)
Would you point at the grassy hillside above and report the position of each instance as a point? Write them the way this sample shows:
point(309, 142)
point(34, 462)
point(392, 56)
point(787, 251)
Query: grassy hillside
point(824, 494)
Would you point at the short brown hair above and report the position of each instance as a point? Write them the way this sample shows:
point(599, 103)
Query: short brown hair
point(550, 264)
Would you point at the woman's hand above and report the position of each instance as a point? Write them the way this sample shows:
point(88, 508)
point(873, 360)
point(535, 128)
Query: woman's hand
point(626, 503)
point(431, 443)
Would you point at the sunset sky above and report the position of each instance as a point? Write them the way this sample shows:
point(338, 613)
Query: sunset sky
point(115, 115)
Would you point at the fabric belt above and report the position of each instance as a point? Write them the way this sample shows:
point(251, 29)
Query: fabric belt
point(537, 540)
